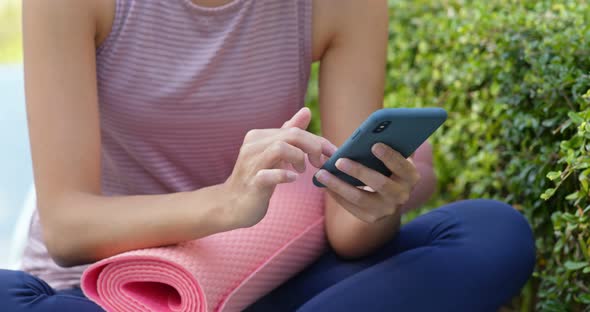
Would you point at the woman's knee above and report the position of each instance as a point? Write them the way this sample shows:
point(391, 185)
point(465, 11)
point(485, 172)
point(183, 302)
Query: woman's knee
point(21, 291)
point(19, 280)
point(491, 215)
point(498, 229)
point(17, 288)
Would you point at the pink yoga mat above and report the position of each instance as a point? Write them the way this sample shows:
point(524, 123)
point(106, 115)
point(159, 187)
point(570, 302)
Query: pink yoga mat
point(223, 272)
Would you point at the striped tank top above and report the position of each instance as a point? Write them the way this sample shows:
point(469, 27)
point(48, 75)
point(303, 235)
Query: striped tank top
point(179, 86)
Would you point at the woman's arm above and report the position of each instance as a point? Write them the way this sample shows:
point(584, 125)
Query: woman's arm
point(79, 225)
point(352, 75)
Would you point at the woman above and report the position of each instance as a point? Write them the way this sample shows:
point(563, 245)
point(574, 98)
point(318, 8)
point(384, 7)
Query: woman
point(148, 105)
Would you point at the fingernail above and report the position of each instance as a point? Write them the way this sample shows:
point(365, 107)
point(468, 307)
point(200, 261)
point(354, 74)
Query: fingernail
point(292, 176)
point(322, 175)
point(379, 150)
point(343, 164)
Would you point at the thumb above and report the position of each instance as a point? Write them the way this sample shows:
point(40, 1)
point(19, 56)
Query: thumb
point(301, 119)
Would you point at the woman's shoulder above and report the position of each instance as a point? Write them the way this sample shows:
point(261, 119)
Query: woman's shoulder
point(333, 16)
point(99, 13)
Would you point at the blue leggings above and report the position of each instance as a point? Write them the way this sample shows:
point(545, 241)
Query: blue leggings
point(467, 256)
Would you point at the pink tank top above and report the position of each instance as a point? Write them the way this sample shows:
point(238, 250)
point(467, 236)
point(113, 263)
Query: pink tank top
point(179, 86)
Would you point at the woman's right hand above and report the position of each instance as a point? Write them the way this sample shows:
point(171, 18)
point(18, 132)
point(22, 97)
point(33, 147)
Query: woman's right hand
point(263, 163)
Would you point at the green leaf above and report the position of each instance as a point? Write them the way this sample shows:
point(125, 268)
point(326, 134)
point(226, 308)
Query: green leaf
point(575, 118)
point(584, 298)
point(574, 266)
point(548, 193)
point(573, 196)
point(554, 175)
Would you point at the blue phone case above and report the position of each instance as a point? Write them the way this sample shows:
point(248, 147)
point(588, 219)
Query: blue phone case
point(405, 129)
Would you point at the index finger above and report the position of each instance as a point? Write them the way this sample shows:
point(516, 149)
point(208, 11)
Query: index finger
point(313, 145)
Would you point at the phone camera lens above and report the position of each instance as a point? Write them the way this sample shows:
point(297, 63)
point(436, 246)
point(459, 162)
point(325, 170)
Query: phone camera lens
point(381, 127)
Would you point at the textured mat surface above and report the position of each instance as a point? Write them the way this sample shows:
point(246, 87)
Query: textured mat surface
point(222, 272)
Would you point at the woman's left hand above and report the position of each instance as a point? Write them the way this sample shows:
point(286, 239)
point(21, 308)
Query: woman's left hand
point(386, 194)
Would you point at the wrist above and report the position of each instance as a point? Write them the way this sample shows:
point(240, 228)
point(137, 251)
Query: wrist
point(226, 206)
point(211, 209)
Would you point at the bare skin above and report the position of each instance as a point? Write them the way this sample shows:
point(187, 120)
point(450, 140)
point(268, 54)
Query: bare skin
point(81, 226)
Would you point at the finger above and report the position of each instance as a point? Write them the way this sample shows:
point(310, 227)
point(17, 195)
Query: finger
point(271, 177)
point(269, 136)
point(396, 163)
point(284, 165)
point(279, 152)
point(300, 120)
point(324, 159)
point(416, 176)
point(309, 143)
point(352, 194)
point(375, 180)
point(314, 146)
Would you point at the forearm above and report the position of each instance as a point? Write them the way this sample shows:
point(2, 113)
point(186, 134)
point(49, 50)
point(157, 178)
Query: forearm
point(355, 238)
point(85, 228)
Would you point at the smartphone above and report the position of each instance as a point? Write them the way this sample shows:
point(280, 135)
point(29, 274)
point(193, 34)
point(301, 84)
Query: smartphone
point(403, 129)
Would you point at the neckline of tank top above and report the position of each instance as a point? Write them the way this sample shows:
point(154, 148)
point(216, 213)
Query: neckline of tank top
point(216, 10)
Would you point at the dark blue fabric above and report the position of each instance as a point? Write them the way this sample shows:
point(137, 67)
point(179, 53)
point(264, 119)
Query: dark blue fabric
point(467, 256)
point(20, 291)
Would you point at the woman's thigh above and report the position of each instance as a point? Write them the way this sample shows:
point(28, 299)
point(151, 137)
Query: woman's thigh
point(467, 254)
point(23, 292)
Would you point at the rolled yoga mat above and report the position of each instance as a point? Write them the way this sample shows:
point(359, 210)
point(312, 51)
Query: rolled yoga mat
point(222, 272)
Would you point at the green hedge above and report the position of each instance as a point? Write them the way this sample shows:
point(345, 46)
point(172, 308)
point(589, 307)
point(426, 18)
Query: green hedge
point(514, 77)
point(10, 32)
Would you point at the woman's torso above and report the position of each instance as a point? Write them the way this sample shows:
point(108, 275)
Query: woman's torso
point(179, 85)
